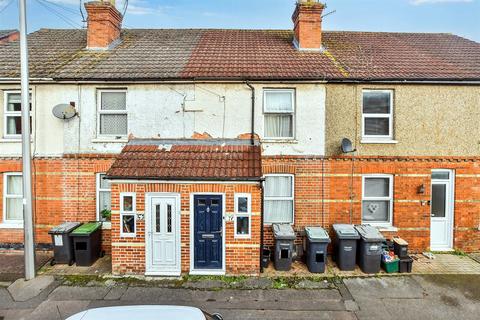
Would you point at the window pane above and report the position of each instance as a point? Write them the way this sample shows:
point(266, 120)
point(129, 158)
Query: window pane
point(104, 183)
point(169, 218)
point(14, 185)
point(113, 124)
point(14, 125)
point(128, 203)
point(114, 101)
point(278, 186)
point(128, 223)
point(242, 225)
point(377, 126)
point(278, 126)
point(439, 195)
point(105, 201)
point(376, 102)
point(444, 175)
point(14, 102)
point(157, 218)
point(242, 204)
point(377, 187)
point(14, 209)
point(278, 211)
point(376, 211)
point(279, 101)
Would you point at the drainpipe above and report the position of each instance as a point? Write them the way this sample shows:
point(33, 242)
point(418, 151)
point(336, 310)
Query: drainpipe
point(261, 222)
point(252, 139)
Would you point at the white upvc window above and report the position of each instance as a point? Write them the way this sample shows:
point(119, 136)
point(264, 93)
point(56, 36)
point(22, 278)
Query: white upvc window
point(104, 197)
point(12, 124)
point(12, 198)
point(377, 199)
point(279, 198)
point(243, 215)
point(112, 119)
point(377, 115)
point(279, 113)
point(128, 208)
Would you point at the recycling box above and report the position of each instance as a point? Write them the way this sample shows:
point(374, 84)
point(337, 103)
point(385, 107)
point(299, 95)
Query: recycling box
point(369, 252)
point(346, 238)
point(284, 245)
point(317, 243)
point(62, 243)
point(87, 243)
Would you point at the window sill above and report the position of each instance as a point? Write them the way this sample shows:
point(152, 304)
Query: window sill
point(11, 225)
point(106, 225)
point(377, 141)
point(109, 140)
point(242, 237)
point(13, 140)
point(289, 141)
point(386, 228)
point(127, 236)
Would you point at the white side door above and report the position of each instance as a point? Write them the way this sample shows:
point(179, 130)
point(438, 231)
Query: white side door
point(163, 237)
point(441, 221)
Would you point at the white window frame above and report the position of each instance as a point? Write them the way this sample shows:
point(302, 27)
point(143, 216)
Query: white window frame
point(378, 138)
point(101, 112)
point(292, 113)
point(7, 114)
point(247, 214)
point(388, 223)
point(99, 189)
point(8, 222)
point(128, 213)
point(292, 198)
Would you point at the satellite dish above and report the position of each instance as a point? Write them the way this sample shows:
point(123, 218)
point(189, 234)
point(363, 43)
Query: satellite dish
point(64, 111)
point(347, 146)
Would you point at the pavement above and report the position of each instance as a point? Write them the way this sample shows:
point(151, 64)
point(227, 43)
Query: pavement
point(12, 263)
point(394, 297)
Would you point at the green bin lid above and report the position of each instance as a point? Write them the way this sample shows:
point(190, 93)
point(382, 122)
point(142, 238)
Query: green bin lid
point(86, 229)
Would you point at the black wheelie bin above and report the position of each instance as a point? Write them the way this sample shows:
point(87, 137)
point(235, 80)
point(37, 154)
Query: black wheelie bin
point(62, 243)
point(284, 246)
point(317, 244)
point(87, 242)
point(369, 252)
point(346, 238)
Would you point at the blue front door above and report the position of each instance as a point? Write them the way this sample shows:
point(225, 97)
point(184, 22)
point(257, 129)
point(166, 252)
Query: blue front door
point(208, 233)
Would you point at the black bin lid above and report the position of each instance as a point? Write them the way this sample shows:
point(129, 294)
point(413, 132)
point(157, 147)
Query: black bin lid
point(65, 227)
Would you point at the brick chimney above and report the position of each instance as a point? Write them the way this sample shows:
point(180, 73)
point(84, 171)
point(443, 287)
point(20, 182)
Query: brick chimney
point(307, 20)
point(104, 24)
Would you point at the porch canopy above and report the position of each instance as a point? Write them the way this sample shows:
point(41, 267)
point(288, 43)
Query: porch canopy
point(188, 159)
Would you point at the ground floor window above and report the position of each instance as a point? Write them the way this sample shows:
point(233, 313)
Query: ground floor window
point(278, 198)
point(243, 213)
point(104, 198)
point(377, 199)
point(127, 214)
point(12, 198)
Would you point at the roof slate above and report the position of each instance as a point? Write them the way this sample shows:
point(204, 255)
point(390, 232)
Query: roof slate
point(187, 161)
point(187, 54)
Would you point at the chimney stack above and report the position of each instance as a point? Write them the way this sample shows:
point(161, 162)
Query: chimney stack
point(307, 20)
point(104, 24)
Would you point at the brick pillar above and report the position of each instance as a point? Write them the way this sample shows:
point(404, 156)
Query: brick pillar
point(307, 20)
point(104, 24)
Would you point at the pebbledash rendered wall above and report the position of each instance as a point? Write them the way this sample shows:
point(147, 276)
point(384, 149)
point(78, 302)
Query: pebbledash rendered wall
point(64, 190)
point(242, 255)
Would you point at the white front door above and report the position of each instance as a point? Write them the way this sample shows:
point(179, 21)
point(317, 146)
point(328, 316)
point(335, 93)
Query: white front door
point(163, 236)
point(441, 221)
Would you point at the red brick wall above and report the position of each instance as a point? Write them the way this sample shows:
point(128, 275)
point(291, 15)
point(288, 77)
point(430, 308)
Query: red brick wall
point(410, 215)
point(307, 21)
point(104, 24)
point(242, 255)
point(64, 190)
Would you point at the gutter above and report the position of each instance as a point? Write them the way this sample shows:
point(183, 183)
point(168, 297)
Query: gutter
point(181, 179)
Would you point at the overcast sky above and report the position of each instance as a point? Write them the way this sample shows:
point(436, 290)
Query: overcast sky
point(460, 17)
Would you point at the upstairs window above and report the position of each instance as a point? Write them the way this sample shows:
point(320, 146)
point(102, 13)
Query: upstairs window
point(278, 199)
point(377, 200)
point(12, 198)
point(377, 115)
point(279, 111)
point(13, 115)
point(112, 114)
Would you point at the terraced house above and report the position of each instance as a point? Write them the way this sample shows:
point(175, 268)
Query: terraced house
point(196, 141)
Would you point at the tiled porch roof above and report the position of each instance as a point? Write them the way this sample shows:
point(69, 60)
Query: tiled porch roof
point(235, 160)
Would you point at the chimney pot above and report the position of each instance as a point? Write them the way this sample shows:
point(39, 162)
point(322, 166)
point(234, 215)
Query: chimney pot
point(104, 24)
point(307, 20)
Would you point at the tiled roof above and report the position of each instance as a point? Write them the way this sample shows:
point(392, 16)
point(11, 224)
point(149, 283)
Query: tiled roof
point(188, 160)
point(5, 33)
point(186, 54)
